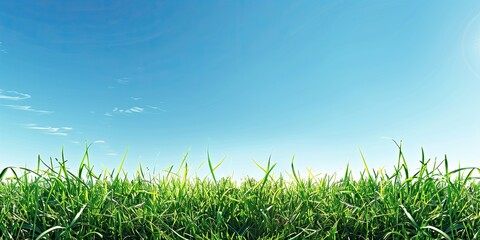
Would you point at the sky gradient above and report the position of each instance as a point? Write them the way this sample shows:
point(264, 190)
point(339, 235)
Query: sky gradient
point(242, 79)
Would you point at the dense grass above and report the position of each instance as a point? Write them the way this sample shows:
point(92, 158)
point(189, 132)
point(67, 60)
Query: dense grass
point(432, 202)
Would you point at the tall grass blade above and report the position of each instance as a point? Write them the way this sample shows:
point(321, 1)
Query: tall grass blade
point(365, 164)
point(297, 180)
point(121, 165)
point(212, 170)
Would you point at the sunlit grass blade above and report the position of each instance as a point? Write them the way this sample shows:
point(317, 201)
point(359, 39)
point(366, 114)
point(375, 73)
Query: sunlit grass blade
point(212, 169)
point(120, 168)
point(438, 231)
point(365, 164)
point(296, 177)
point(43, 234)
point(409, 216)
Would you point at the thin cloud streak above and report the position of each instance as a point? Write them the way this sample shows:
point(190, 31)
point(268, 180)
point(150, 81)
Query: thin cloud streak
point(1, 48)
point(59, 131)
point(156, 108)
point(134, 109)
point(27, 108)
point(125, 111)
point(13, 95)
point(123, 81)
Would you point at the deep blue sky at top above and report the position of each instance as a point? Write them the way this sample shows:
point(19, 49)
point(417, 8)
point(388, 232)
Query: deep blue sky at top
point(244, 79)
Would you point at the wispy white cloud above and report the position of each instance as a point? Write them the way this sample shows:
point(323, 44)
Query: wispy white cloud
point(60, 131)
point(148, 109)
point(111, 154)
point(13, 95)
point(2, 50)
point(135, 98)
point(27, 108)
point(99, 141)
point(57, 133)
point(156, 108)
point(129, 110)
point(123, 81)
point(134, 110)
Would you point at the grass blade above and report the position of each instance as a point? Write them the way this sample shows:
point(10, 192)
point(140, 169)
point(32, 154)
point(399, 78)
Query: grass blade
point(47, 231)
point(438, 231)
point(121, 165)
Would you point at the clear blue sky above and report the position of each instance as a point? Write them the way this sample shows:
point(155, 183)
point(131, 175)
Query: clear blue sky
point(243, 79)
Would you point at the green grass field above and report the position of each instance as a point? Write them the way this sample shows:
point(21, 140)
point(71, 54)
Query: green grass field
point(52, 202)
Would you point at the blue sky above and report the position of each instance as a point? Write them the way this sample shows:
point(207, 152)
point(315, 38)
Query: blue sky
point(243, 79)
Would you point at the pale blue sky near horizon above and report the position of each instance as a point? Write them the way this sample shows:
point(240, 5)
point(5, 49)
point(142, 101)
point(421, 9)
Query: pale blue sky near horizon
point(242, 79)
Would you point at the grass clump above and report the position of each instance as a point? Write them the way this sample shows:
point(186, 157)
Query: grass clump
point(52, 202)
